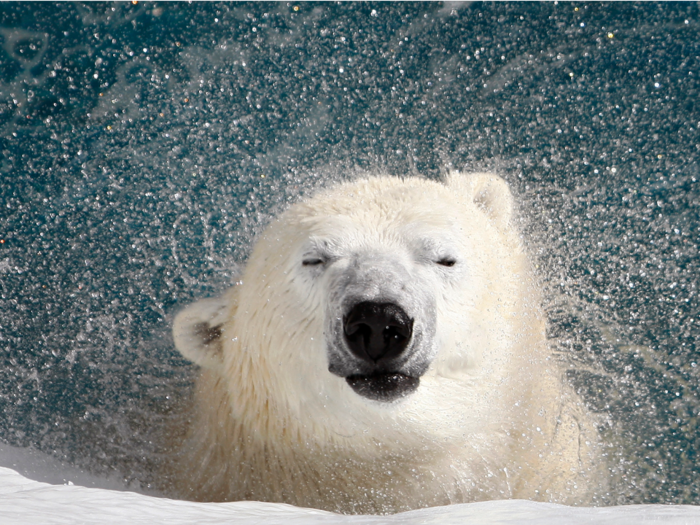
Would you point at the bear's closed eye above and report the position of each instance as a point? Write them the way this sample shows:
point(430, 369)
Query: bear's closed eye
point(312, 262)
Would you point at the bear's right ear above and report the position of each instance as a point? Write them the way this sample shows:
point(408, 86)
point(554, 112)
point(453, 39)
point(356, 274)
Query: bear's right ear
point(198, 329)
point(488, 191)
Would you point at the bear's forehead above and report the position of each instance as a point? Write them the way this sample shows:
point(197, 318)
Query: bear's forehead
point(384, 212)
point(378, 206)
point(408, 222)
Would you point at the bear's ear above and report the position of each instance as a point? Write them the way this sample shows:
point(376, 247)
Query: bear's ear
point(198, 329)
point(488, 191)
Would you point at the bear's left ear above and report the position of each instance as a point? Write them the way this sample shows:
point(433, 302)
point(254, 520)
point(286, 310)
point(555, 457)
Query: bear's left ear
point(488, 191)
point(198, 329)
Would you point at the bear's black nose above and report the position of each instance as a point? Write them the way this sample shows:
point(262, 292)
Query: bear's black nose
point(377, 331)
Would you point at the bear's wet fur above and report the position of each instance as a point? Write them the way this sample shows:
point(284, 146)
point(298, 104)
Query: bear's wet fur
point(478, 408)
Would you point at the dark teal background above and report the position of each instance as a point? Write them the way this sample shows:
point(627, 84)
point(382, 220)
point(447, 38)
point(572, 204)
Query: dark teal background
point(143, 146)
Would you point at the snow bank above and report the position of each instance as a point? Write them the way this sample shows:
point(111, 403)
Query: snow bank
point(23, 501)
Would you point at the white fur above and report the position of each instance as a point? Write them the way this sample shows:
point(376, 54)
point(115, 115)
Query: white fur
point(490, 418)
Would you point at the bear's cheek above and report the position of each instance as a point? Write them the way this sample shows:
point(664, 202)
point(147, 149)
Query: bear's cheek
point(466, 324)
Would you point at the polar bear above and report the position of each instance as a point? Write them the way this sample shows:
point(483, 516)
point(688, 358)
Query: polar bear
point(385, 350)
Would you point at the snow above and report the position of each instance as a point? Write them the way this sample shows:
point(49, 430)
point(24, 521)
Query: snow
point(51, 492)
point(25, 501)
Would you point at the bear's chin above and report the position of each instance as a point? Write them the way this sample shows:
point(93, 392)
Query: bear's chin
point(385, 387)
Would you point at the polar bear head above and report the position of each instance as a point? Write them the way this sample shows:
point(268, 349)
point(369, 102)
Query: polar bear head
point(384, 350)
point(369, 297)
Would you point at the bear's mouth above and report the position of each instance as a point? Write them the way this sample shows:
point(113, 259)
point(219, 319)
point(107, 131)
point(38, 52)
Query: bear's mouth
point(384, 387)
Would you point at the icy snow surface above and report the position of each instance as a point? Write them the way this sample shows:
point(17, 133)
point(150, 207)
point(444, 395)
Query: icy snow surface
point(53, 493)
point(26, 501)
